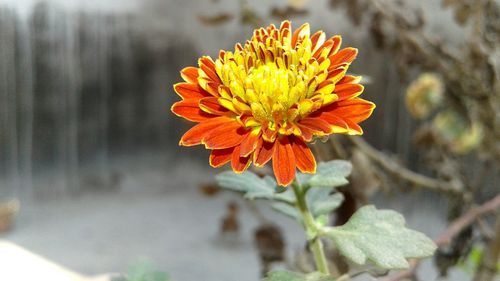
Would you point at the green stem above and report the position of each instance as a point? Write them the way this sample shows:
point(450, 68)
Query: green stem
point(311, 229)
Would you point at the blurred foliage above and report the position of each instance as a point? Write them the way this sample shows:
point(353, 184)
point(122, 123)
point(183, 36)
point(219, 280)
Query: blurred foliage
point(470, 263)
point(145, 271)
point(456, 132)
point(458, 128)
point(424, 95)
point(293, 276)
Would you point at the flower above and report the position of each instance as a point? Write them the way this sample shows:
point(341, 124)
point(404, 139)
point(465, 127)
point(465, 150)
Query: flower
point(269, 97)
point(424, 95)
point(456, 132)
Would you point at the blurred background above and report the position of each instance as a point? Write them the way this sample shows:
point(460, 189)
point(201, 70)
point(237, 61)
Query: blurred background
point(91, 174)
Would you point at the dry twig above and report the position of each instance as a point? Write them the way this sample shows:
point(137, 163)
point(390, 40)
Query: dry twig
point(394, 168)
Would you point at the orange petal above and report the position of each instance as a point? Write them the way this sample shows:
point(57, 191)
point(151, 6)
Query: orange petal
point(317, 125)
point(338, 124)
point(219, 157)
point(299, 33)
point(329, 47)
point(238, 47)
point(195, 135)
point(212, 106)
point(354, 129)
point(345, 55)
point(284, 33)
point(222, 55)
point(317, 40)
point(239, 163)
point(349, 79)
point(325, 46)
point(249, 144)
point(190, 91)
point(337, 41)
point(209, 86)
point(269, 135)
point(207, 65)
point(285, 25)
point(326, 83)
point(336, 74)
point(305, 132)
point(190, 74)
point(303, 156)
point(356, 109)
point(190, 110)
point(225, 135)
point(283, 162)
point(348, 91)
point(263, 152)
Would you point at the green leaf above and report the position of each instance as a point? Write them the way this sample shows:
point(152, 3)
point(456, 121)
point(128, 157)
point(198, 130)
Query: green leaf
point(326, 205)
point(331, 174)
point(253, 186)
point(284, 276)
point(321, 201)
point(144, 271)
point(293, 276)
point(248, 183)
point(302, 178)
point(288, 211)
point(159, 276)
point(471, 262)
point(286, 196)
point(381, 237)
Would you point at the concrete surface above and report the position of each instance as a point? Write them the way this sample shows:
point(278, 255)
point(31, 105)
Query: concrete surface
point(160, 216)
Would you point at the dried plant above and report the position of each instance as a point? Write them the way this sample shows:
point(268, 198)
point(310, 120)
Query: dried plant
point(459, 120)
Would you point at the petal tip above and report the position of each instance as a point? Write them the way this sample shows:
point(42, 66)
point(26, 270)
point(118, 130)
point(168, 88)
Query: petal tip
point(284, 184)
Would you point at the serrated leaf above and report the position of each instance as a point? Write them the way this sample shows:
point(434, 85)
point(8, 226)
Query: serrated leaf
point(328, 205)
point(381, 237)
point(293, 276)
point(303, 178)
point(270, 181)
point(322, 202)
point(331, 174)
point(252, 186)
point(288, 211)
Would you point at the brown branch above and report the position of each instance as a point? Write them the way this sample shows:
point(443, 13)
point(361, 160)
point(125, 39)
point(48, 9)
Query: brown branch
point(467, 219)
point(447, 236)
point(395, 168)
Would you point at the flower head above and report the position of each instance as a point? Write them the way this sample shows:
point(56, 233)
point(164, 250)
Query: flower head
point(424, 95)
point(456, 132)
point(269, 97)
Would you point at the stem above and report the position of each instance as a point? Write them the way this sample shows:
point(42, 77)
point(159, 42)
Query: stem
point(310, 227)
point(393, 167)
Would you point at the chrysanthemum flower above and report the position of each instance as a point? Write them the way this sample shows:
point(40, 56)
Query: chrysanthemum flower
point(271, 96)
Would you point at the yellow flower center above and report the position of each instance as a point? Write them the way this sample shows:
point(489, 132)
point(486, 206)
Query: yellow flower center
point(271, 91)
point(274, 82)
